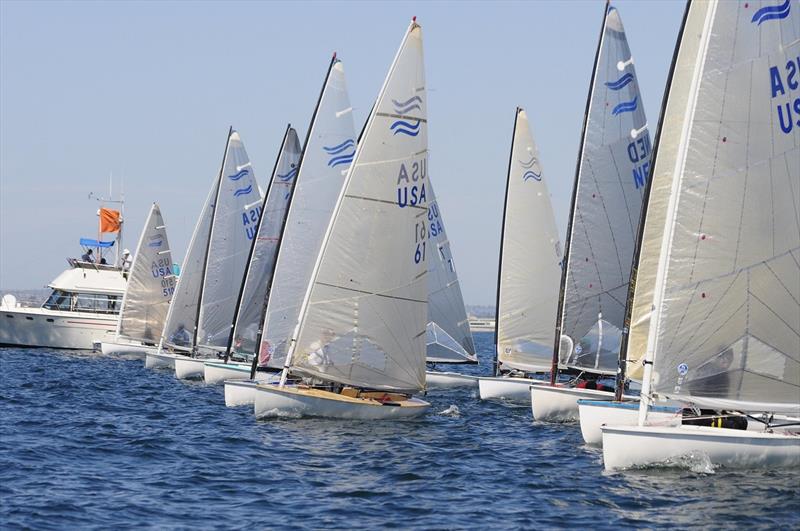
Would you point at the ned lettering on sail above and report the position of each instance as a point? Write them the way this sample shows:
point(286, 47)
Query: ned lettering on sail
point(784, 82)
point(639, 155)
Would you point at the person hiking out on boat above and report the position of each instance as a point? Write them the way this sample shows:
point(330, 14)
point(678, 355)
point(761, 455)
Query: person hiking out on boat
point(88, 256)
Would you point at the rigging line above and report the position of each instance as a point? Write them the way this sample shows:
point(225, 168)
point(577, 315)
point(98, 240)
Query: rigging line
point(796, 332)
point(371, 293)
point(401, 116)
point(797, 302)
point(711, 335)
point(383, 201)
point(611, 230)
point(634, 230)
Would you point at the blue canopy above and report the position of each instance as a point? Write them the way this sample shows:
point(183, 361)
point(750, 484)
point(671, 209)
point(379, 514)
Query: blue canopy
point(88, 242)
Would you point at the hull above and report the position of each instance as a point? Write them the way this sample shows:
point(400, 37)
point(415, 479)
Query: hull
point(162, 360)
point(187, 368)
point(447, 380)
point(515, 390)
point(560, 404)
point(243, 392)
point(637, 446)
point(39, 327)
point(215, 372)
point(121, 348)
point(595, 413)
point(274, 401)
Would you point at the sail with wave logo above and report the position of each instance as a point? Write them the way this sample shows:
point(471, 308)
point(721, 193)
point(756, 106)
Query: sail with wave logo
point(365, 312)
point(530, 261)
point(448, 337)
point(150, 286)
point(245, 335)
point(328, 152)
point(717, 301)
point(611, 174)
point(236, 213)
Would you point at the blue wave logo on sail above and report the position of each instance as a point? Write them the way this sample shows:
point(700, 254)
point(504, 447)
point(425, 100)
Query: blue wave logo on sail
point(626, 106)
point(403, 107)
point(340, 157)
point(406, 128)
point(335, 150)
point(621, 82)
point(156, 243)
point(530, 174)
point(778, 12)
point(243, 191)
point(286, 177)
point(239, 175)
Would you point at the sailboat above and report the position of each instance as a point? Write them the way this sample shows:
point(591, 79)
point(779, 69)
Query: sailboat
point(717, 304)
point(200, 315)
point(246, 330)
point(359, 343)
point(448, 337)
point(151, 283)
point(528, 275)
point(612, 168)
point(329, 149)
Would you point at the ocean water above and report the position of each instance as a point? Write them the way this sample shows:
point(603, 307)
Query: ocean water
point(88, 441)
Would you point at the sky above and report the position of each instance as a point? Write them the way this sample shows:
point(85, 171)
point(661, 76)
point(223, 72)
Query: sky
point(145, 92)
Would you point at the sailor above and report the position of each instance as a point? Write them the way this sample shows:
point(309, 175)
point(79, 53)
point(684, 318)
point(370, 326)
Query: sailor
point(88, 256)
point(126, 260)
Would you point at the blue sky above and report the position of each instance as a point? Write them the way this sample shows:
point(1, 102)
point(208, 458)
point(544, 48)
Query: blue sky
point(147, 90)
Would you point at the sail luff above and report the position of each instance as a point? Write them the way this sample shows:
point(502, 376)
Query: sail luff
point(496, 365)
point(133, 265)
point(573, 202)
point(622, 371)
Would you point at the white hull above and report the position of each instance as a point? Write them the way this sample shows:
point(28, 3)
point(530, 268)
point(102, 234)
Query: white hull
point(40, 327)
point(274, 401)
point(163, 360)
point(122, 348)
point(447, 380)
point(636, 446)
point(512, 389)
point(243, 392)
point(596, 413)
point(217, 371)
point(187, 368)
point(560, 404)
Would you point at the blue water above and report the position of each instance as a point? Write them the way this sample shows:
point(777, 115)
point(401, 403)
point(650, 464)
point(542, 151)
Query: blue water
point(88, 441)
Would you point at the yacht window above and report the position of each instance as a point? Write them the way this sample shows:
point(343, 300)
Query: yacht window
point(59, 300)
point(97, 303)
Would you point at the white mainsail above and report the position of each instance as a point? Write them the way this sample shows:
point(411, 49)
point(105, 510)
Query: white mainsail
point(612, 169)
point(181, 322)
point(264, 252)
point(327, 155)
point(365, 312)
point(448, 337)
point(530, 261)
point(150, 286)
point(720, 254)
point(236, 213)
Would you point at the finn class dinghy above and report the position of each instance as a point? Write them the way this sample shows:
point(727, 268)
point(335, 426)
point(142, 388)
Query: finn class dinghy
point(612, 168)
point(718, 282)
point(448, 336)
point(528, 278)
point(359, 345)
point(199, 319)
point(246, 328)
point(329, 149)
point(151, 283)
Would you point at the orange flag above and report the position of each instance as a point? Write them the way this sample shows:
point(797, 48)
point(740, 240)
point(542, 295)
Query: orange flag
point(109, 220)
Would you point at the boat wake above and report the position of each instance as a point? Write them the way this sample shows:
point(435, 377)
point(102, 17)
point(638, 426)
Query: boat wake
point(451, 411)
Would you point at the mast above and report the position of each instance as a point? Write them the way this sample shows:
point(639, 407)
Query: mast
point(502, 240)
point(565, 261)
point(260, 335)
point(253, 246)
point(208, 241)
point(637, 253)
